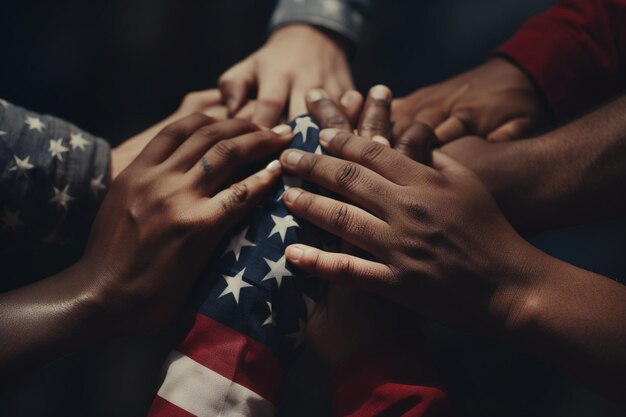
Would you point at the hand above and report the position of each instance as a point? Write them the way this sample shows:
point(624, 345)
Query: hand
point(495, 100)
point(346, 320)
point(208, 102)
point(439, 242)
point(295, 59)
point(371, 120)
point(166, 212)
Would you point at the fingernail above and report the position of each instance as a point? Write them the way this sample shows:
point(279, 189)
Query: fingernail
point(348, 99)
point(381, 139)
point(231, 103)
point(273, 166)
point(315, 95)
point(380, 92)
point(291, 195)
point(294, 252)
point(293, 158)
point(282, 130)
point(327, 135)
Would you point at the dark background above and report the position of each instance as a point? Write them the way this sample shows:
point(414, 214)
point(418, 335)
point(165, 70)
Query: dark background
point(116, 67)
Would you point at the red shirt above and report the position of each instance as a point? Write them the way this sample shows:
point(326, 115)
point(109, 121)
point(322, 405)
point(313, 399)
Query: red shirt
point(388, 379)
point(575, 52)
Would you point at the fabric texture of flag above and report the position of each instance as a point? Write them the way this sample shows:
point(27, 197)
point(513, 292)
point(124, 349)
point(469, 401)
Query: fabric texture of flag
point(251, 311)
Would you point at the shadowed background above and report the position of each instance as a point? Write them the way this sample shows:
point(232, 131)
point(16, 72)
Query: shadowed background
point(116, 67)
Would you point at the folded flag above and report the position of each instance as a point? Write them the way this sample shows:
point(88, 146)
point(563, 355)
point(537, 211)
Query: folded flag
point(251, 312)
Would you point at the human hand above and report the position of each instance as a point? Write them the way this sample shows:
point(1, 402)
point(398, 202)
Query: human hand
point(371, 120)
point(495, 100)
point(440, 244)
point(295, 59)
point(208, 102)
point(164, 215)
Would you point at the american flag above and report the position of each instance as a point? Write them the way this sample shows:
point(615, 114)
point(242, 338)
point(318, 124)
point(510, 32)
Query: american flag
point(249, 321)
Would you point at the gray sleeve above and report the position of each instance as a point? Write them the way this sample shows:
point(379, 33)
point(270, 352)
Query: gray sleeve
point(345, 17)
point(52, 178)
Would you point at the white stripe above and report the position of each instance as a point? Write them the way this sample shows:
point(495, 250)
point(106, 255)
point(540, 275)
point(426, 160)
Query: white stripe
point(203, 392)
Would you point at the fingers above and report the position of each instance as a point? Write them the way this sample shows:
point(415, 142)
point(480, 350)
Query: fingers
point(431, 117)
point(247, 111)
point(201, 100)
point(235, 83)
point(271, 100)
point(346, 221)
point(376, 116)
point(357, 183)
point(227, 156)
point(325, 111)
point(377, 157)
point(400, 125)
point(171, 137)
point(352, 103)
point(452, 128)
point(297, 103)
point(513, 129)
point(417, 142)
point(204, 138)
point(229, 206)
point(341, 269)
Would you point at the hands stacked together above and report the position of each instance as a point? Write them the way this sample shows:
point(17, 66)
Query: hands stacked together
point(422, 230)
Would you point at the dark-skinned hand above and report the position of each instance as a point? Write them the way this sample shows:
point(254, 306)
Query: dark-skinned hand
point(495, 100)
point(156, 229)
point(439, 242)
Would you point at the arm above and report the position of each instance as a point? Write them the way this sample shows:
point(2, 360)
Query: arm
point(134, 275)
point(574, 52)
point(573, 319)
point(567, 176)
point(439, 245)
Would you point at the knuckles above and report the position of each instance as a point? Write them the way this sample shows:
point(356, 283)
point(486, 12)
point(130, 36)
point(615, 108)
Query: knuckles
point(374, 123)
point(335, 121)
point(347, 174)
point(340, 217)
point(372, 151)
point(209, 132)
point(237, 195)
point(227, 151)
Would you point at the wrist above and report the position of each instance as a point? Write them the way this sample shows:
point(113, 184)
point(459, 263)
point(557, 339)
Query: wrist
point(310, 33)
point(523, 300)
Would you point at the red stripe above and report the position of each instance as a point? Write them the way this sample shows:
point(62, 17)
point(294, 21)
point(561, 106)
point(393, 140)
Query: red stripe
point(233, 355)
point(163, 408)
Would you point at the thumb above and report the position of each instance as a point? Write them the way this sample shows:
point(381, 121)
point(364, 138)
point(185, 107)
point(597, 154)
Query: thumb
point(511, 130)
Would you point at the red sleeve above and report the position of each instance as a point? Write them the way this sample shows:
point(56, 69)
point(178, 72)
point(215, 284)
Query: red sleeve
point(575, 52)
point(387, 379)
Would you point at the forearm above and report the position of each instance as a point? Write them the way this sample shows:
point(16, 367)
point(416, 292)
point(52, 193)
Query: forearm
point(47, 320)
point(574, 319)
point(564, 177)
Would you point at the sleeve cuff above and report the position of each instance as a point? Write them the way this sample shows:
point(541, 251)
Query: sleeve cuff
point(388, 377)
point(573, 72)
point(337, 16)
point(55, 178)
